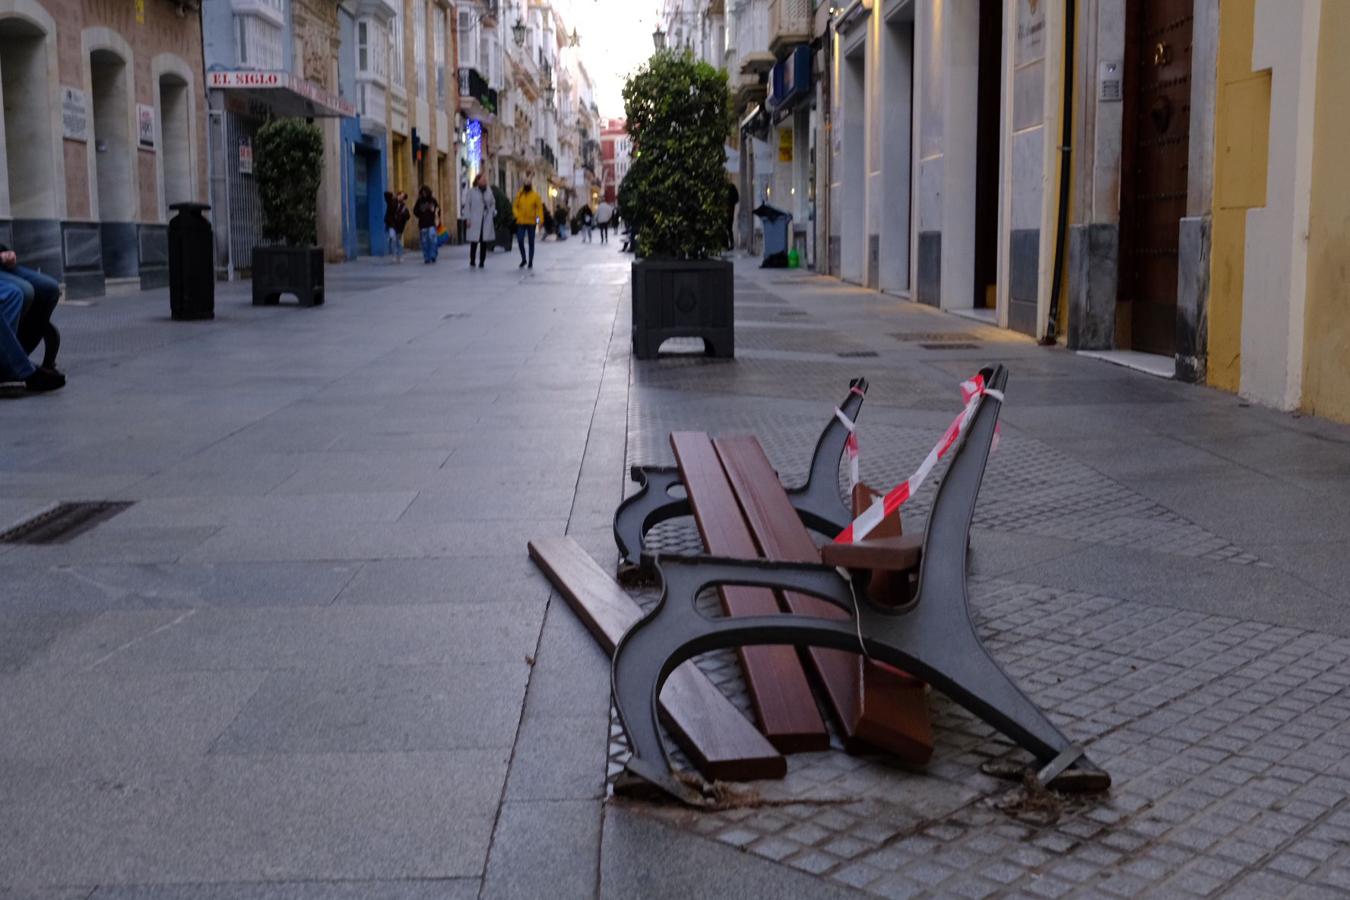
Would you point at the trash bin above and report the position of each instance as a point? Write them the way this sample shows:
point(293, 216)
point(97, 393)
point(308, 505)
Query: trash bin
point(777, 227)
point(192, 267)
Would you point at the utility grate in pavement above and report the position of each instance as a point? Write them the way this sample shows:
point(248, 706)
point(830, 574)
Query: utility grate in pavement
point(937, 336)
point(455, 316)
point(945, 346)
point(63, 523)
point(793, 313)
point(858, 354)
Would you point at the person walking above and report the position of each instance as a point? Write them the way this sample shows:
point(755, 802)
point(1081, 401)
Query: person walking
point(395, 220)
point(587, 223)
point(529, 212)
point(428, 213)
point(604, 215)
point(733, 198)
point(481, 211)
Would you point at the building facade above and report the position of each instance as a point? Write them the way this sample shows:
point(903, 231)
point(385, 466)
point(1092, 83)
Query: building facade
point(102, 132)
point(1146, 180)
point(616, 156)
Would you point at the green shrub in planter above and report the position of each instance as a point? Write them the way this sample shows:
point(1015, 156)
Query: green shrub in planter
point(288, 172)
point(674, 196)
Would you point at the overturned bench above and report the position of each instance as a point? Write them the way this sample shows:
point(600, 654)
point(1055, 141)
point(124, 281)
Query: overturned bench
point(930, 634)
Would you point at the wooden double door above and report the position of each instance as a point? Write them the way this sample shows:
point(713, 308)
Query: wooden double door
point(1154, 170)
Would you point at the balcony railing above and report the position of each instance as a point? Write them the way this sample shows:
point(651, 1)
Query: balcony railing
point(789, 24)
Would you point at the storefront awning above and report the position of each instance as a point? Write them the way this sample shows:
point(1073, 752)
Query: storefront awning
point(285, 94)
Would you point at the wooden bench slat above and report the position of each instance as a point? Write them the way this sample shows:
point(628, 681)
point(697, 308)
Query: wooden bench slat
point(874, 706)
point(781, 695)
point(721, 742)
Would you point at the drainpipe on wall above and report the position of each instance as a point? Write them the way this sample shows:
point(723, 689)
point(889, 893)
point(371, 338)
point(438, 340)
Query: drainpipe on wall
point(1065, 166)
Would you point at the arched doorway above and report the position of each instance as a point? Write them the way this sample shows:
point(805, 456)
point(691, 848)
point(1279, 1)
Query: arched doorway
point(114, 150)
point(24, 83)
point(175, 148)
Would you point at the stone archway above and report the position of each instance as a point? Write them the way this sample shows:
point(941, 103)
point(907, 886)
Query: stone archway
point(32, 178)
point(175, 135)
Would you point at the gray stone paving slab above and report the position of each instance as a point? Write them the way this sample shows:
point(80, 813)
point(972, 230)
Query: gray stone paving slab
point(470, 580)
point(302, 817)
point(418, 889)
point(559, 757)
point(544, 850)
point(335, 637)
point(163, 586)
point(382, 709)
point(86, 715)
point(376, 540)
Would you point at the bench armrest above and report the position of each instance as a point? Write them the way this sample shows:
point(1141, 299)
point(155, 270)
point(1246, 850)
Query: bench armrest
point(889, 554)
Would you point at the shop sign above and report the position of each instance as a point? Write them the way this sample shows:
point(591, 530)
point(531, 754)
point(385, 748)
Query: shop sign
point(1030, 42)
point(785, 145)
point(145, 126)
point(74, 114)
point(245, 156)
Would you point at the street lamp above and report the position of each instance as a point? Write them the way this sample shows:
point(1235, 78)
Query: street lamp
point(519, 31)
point(659, 38)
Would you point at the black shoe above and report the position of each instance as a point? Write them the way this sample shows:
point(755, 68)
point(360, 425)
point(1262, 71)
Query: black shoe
point(531, 265)
point(522, 263)
point(45, 380)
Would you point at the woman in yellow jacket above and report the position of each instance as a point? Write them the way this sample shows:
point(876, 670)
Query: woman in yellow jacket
point(529, 210)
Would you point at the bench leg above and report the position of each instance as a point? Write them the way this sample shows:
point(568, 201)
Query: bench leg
point(952, 659)
point(640, 513)
point(818, 502)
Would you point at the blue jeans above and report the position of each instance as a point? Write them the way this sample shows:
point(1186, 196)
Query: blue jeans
point(41, 293)
point(14, 363)
point(428, 236)
point(521, 232)
point(395, 243)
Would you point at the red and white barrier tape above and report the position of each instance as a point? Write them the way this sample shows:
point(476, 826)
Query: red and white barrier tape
point(874, 515)
point(851, 444)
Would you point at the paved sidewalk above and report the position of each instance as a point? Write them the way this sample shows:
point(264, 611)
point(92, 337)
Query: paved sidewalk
point(313, 661)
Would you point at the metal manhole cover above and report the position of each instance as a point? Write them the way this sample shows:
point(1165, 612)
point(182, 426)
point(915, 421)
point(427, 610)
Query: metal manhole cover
point(945, 346)
point(63, 523)
point(858, 354)
point(934, 336)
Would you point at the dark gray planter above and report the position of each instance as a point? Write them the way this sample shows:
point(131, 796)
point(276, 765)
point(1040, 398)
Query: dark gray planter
point(683, 298)
point(287, 270)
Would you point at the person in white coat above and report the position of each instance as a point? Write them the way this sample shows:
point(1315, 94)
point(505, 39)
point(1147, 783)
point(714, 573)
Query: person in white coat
point(480, 210)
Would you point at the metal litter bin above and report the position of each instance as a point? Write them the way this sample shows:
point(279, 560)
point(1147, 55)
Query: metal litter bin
point(777, 228)
point(192, 267)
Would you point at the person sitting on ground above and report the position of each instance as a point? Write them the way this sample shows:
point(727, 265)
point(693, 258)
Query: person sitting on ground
point(40, 293)
point(14, 362)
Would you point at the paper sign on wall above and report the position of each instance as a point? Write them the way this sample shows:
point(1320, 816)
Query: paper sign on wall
point(145, 126)
point(245, 156)
point(785, 145)
point(74, 114)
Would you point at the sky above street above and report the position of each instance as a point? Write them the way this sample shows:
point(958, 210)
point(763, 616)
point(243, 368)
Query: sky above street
point(616, 38)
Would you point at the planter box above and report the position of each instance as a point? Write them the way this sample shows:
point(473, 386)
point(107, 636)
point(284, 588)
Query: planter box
point(679, 298)
point(287, 270)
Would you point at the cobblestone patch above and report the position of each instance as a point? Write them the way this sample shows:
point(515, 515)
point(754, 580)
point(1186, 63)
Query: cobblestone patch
point(1227, 741)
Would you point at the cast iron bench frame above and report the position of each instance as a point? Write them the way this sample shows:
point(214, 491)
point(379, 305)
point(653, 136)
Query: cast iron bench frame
point(817, 501)
point(931, 636)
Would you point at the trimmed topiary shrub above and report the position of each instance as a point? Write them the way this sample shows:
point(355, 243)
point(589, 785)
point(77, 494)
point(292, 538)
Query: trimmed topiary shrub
point(288, 173)
point(675, 191)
